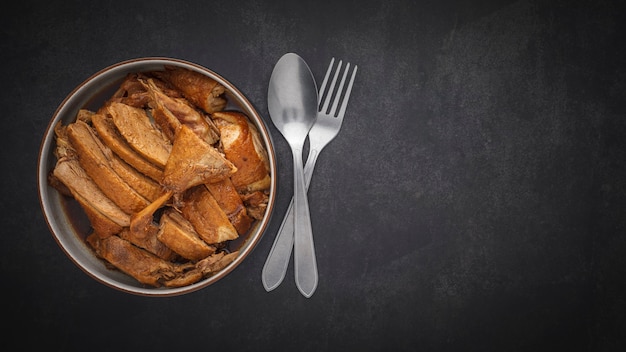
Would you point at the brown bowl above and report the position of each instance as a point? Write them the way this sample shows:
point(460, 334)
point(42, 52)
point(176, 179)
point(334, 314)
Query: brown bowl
point(67, 221)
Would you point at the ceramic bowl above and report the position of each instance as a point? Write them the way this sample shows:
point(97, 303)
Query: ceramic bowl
point(67, 221)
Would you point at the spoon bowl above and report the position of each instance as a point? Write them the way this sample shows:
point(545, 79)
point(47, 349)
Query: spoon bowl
point(292, 98)
point(292, 104)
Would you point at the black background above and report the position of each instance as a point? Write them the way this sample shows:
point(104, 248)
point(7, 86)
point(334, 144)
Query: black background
point(474, 200)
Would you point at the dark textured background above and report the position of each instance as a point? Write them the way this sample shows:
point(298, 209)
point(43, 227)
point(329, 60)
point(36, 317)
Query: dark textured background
point(474, 200)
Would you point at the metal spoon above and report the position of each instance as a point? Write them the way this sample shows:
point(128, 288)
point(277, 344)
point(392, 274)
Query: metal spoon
point(292, 103)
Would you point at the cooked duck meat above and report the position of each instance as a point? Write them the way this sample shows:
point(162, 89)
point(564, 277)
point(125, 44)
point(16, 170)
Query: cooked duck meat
point(142, 223)
point(150, 243)
point(216, 262)
point(96, 160)
point(169, 113)
point(202, 91)
point(193, 162)
point(256, 203)
point(243, 147)
point(230, 201)
point(179, 235)
point(144, 266)
point(137, 129)
point(108, 133)
point(105, 216)
point(206, 216)
point(63, 148)
point(85, 116)
point(132, 92)
point(145, 186)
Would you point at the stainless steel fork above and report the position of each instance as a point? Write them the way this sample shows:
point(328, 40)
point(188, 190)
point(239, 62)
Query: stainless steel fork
point(326, 127)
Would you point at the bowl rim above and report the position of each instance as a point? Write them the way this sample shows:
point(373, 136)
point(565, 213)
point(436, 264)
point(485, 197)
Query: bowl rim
point(78, 98)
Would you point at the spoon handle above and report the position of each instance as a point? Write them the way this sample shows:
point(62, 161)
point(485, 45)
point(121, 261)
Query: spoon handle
point(305, 264)
point(277, 261)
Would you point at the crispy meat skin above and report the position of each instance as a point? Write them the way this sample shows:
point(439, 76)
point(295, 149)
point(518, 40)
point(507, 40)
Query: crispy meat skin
point(242, 146)
point(202, 91)
point(206, 216)
point(194, 162)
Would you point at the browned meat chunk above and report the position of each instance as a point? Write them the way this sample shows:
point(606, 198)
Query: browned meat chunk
point(137, 129)
point(194, 162)
point(230, 201)
point(216, 262)
point(243, 147)
point(110, 136)
point(105, 216)
point(202, 91)
point(96, 160)
point(179, 235)
point(206, 216)
point(144, 266)
point(169, 113)
point(256, 203)
point(150, 243)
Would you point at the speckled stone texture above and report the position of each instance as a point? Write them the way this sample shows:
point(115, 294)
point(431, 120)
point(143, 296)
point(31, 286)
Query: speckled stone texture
point(473, 201)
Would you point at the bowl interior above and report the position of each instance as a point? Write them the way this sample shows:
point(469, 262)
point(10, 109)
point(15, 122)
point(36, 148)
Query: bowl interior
point(67, 221)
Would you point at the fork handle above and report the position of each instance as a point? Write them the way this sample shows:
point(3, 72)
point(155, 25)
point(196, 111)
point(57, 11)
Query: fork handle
point(277, 260)
point(305, 264)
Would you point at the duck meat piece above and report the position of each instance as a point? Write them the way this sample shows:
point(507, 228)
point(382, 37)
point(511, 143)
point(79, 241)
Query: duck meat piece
point(202, 91)
point(193, 162)
point(96, 160)
point(142, 223)
point(216, 262)
point(206, 216)
point(231, 203)
point(109, 135)
point(169, 113)
point(145, 186)
point(149, 242)
point(256, 203)
point(142, 265)
point(105, 216)
point(137, 129)
point(179, 235)
point(243, 147)
point(132, 92)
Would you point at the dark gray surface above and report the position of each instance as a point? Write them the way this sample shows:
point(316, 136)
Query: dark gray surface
point(474, 200)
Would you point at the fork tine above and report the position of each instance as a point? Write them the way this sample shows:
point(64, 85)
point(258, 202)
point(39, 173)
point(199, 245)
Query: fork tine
point(333, 110)
point(346, 97)
point(329, 94)
point(321, 92)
